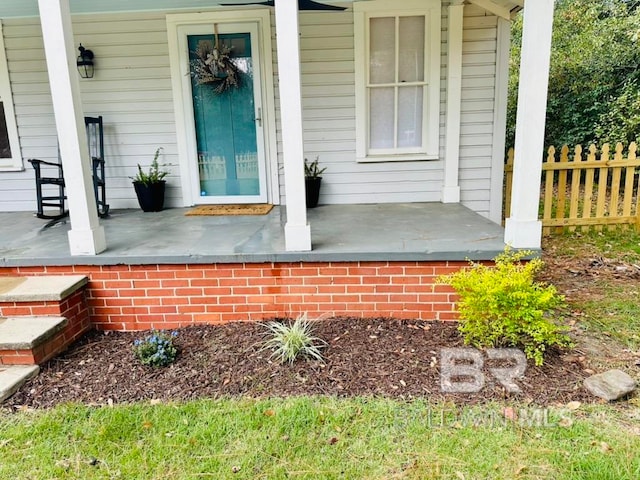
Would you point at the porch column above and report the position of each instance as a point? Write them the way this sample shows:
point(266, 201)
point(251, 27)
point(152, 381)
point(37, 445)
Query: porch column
point(522, 229)
point(451, 188)
point(297, 231)
point(86, 236)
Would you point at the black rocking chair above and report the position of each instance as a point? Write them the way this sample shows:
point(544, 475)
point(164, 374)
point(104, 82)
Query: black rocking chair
point(95, 139)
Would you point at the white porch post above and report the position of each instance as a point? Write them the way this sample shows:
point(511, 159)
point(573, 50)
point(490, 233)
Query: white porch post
point(451, 188)
point(297, 231)
point(522, 229)
point(86, 236)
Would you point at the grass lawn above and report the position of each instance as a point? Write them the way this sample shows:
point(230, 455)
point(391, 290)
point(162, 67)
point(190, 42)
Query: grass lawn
point(605, 288)
point(317, 438)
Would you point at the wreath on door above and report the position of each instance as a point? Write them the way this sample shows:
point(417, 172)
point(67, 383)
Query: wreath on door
point(214, 65)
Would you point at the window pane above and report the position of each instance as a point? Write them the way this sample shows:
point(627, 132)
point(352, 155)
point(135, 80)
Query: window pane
point(382, 62)
point(381, 126)
point(411, 62)
point(410, 116)
point(5, 148)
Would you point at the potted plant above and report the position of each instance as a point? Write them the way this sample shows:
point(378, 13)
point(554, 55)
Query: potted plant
point(150, 186)
point(312, 181)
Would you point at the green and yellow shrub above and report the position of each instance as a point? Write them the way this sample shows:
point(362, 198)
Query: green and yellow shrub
point(503, 305)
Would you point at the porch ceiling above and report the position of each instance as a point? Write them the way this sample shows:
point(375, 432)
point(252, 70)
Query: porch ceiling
point(29, 8)
point(501, 8)
point(383, 232)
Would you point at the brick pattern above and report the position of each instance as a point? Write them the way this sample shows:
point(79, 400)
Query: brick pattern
point(140, 297)
point(74, 308)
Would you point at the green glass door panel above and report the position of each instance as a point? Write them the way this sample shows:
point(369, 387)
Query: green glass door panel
point(225, 125)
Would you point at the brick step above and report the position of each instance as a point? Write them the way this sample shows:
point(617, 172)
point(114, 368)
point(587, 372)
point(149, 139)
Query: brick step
point(17, 290)
point(30, 340)
point(40, 316)
point(13, 377)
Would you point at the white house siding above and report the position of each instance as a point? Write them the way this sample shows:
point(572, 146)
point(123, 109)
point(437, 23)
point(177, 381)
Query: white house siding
point(132, 90)
point(328, 89)
point(478, 89)
point(328, 83)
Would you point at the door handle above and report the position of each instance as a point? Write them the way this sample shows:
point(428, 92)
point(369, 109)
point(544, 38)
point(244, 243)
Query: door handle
point(259, 117)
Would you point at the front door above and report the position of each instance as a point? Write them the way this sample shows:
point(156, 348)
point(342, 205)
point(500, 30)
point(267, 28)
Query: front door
point(226, 141)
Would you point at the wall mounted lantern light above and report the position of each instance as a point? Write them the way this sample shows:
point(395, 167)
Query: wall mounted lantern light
point(85, 62)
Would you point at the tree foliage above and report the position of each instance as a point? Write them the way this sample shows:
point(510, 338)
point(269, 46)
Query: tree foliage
point(594, 84)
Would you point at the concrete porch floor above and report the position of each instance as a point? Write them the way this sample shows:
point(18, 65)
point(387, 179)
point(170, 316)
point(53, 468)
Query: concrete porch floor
point(380, 232)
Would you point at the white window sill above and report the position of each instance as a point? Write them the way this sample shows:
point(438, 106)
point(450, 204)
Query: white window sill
point(12, 168)
point(396, 158)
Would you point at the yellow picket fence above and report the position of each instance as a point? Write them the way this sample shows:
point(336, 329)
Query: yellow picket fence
point(589, 189)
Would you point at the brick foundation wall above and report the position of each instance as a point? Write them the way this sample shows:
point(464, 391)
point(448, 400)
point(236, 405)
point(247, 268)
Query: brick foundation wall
point(140, 297)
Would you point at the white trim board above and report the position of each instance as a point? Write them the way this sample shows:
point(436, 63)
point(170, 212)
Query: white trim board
point(15, 162)
point(500, 118)
point(455, 29)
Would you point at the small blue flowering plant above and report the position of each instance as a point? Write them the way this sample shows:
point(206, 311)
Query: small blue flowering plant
point(156, 349)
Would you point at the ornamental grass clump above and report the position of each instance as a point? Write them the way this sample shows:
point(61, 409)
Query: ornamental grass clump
point(292, 341)
point(157, 349)
point(504, 305)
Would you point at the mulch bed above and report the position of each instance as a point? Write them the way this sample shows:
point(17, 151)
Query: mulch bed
point(381, 357)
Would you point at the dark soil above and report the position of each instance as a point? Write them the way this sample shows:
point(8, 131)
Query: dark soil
point(382, 357)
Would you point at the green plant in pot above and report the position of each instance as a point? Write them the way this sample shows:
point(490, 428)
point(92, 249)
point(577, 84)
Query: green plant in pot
point(150, 187)
point(312, 181)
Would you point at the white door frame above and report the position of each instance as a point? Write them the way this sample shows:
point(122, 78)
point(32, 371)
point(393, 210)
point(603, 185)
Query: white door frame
point(251, 28)
point(183, 108)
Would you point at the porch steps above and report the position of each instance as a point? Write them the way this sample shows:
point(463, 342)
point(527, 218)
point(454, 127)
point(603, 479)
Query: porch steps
point(40, 316)
point(13, 377)
point(28, 340)
point(39, 289)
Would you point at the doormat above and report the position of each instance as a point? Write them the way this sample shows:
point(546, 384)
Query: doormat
point(256, 209)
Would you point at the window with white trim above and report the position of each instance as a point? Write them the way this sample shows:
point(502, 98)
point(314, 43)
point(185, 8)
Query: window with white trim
point(10, 155)
point(397, 51)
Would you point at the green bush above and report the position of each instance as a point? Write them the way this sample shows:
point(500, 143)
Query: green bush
point(157, 349)
point(289, 342)
point(504, 305)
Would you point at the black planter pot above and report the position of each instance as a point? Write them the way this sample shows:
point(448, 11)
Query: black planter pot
point(150, 197)
point(312, 190)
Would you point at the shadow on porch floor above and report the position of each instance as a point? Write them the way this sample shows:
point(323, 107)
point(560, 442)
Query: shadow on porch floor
point(380, 232)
